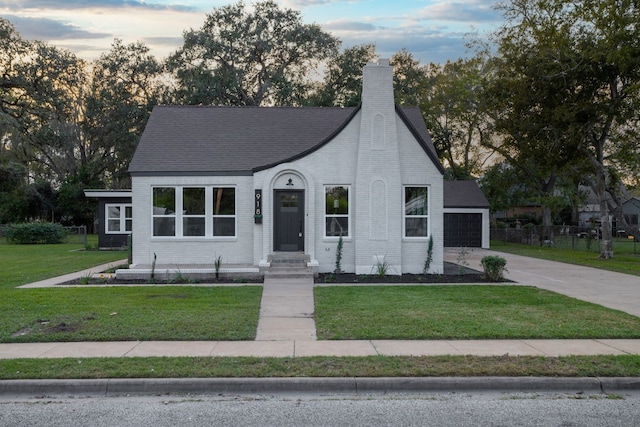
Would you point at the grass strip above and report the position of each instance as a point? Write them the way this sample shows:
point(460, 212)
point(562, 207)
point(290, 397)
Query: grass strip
point(373, 366)
point(626, 260)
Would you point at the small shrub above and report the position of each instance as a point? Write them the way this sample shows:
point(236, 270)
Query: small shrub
point(35, 233)
point(427, 261)
point(381, 268)
point(338, 269)
point(85, 279)
point(494, 268)
point(217, 264)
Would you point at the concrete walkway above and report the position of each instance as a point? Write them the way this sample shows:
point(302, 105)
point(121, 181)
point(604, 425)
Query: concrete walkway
point(286, 327)
point(287, 310)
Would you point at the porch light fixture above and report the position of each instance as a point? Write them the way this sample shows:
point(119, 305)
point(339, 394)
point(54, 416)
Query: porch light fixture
point(290, 182)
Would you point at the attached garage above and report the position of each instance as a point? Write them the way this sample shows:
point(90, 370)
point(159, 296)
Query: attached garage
point(466, 215)
point(463, 229)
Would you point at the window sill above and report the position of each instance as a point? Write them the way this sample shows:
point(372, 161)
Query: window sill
point(193, 239)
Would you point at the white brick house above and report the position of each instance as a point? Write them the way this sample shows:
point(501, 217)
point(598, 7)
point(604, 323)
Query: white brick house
point(244, 183)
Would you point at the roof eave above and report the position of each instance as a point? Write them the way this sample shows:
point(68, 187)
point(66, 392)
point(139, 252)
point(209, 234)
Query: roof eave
point(315, 147)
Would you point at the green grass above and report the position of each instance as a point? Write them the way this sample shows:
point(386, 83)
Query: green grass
point(114, 313)
point(463, 312)
point(625, 260)
point(190, 313)
point(373, 366)
point(129, 313)
point(22, 264)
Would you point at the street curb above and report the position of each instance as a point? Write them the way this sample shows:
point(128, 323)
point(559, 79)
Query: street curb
point(351, 385)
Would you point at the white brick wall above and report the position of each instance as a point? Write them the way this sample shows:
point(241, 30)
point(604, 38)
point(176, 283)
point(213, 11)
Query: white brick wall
point(185, 250)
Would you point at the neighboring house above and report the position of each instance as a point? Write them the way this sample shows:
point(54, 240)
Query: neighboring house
point(115, 217)
point(466, 215)
point(631, 211)
point(243, 183)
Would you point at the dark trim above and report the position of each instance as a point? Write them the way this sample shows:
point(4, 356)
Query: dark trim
point(421, 141)
point(194, 173)
point(314, 148)
point(465, 207)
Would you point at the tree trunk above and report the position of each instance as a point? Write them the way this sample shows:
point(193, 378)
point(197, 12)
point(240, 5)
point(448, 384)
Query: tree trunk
point(606, 251)
point(547, 226)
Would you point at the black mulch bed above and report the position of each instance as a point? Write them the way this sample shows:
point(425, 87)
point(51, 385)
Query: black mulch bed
point(453, 273)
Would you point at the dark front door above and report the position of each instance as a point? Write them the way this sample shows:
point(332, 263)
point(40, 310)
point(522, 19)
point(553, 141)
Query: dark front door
point(289, 221)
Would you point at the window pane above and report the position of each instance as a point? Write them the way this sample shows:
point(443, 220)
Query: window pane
point(224, 201)
point(113, 225)
point(164, 201)
point(113, 212)
point(128, 225)
point(337, 226)
point(416, 227)
point(193, 226)
point(193, 201)
point(164, 226)
point(416, 201)
point(337, 200)
point(224, 227)
point(128, 212)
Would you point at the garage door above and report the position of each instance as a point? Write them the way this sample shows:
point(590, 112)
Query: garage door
point(463, 229)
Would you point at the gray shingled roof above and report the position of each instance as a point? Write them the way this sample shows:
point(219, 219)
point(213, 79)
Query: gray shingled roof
point(464, 194)
point(181, 140)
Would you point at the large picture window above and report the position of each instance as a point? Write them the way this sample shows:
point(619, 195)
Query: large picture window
point(416, 211)
point(194, 211)
point(336, 210)
point(119, 219)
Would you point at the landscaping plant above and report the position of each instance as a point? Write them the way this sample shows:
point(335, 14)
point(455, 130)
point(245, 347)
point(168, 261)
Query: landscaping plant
point(494, 268)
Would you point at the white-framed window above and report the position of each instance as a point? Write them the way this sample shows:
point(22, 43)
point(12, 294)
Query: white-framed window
point(416, 211)
point(119, 218)
point(194, 211)
point(336, 212)
point(224, 211)
point(164, 211)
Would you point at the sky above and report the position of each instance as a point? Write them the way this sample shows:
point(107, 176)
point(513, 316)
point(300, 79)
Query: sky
point(432, 30)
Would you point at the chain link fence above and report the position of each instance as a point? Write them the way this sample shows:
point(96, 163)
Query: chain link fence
point(564, 237)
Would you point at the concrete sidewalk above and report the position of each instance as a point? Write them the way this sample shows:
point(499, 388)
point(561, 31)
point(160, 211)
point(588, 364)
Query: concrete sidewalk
point(291, 349)
point(286, 326)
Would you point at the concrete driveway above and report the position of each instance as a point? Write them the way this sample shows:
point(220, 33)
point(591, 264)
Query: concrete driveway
point(614, 290)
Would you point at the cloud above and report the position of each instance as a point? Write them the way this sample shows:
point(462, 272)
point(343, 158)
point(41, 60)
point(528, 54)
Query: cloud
point(426, 43)
point(296, 4)
point(461, 11)
point(20, 5)
point(348, 26)
point(50, 29)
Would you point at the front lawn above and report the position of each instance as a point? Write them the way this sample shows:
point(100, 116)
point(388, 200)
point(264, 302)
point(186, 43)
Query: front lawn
point(129, 314)
point(22, 264)
point(463, 312)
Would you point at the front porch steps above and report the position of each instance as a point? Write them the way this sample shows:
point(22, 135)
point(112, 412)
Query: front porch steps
point(289, 265)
